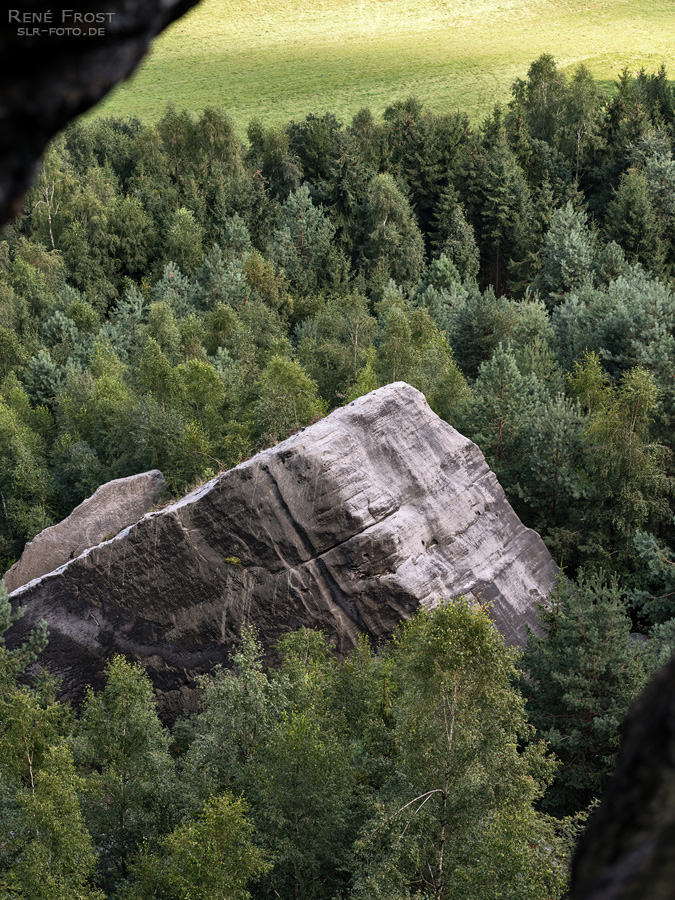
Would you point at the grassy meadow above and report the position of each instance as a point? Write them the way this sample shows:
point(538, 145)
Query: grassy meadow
point(281, 59)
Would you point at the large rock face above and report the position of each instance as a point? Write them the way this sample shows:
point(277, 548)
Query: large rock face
point(110, 509)
point(349, 526)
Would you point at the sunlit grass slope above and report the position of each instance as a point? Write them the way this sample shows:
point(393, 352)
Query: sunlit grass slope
point(280, 59)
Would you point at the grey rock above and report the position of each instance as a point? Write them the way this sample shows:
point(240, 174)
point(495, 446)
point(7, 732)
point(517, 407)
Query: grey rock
point(349, 526)
point(110, 509)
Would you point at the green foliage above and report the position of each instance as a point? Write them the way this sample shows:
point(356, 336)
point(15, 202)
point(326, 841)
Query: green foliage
point(567, 255)
point(476, 323)
point(393, 248)
point(239, 708)
point(411, 348)
point(46, 851)
point(302, 246)
point(501, 403)
point(56, 858)
point(506, 213)
point(298, 282)
point(334, 345)
point(25, 481)
point(542, 96)
point(211, 856)
point(454, 236)
point(172, 299)
point(14, 662)
point(654, 597)
point(303, 802)
point(549, 476)
point(288, 399)
point(184, 240)
point(458, 722)
point(660, 647)
point(629, 476)
point(581, 679)
point(631, 221)
point(130, 783)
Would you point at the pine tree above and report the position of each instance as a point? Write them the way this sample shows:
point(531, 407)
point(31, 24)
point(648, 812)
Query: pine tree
point(566, 255)
point(476, 323)
point(581, 679)
point(501, 402)
point(302, 245)
point(506, 213)
point(454, 235)
point(549, 480)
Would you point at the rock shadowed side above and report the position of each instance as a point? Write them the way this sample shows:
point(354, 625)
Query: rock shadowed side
point(628, 849)
point(110, 509)
point(53, 68)
point(348, 526)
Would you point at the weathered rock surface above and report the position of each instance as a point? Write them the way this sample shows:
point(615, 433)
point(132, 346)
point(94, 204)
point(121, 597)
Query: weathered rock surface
point(628, 849)
point(110, 509)
point(54, 66)
point(349, 526)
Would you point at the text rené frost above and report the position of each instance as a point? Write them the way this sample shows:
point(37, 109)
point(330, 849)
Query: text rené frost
point(63, 22)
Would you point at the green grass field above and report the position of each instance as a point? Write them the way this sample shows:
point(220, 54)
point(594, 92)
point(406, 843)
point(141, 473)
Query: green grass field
point(281, 59)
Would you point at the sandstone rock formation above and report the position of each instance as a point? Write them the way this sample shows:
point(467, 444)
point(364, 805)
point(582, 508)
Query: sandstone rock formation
point(350, 525)
point(110, 509)
point(57, 62)
point(628, 849)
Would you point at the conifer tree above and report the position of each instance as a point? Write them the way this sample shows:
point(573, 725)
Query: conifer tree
point(476, 323)
point(302, 245)
point(506, 212)
point(549, 479)
point(566, 255)
point(392, 248)
point(581, 679)
point(501, 402)
point(454, 235)
point(631, 221)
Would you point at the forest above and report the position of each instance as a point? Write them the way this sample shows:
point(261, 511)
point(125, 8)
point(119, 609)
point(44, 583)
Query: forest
point(171, 297)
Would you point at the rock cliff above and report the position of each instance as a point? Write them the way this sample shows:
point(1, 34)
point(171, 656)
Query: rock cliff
point(110, 509)
point(55, 63)
point(626, 852)
point(349, 525)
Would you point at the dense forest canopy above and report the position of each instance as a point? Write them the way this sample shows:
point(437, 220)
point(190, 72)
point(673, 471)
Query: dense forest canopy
point(173, 298)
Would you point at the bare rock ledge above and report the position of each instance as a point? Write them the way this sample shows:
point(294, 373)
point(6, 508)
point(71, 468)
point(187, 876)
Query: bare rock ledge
point(110, 509)
point(349, 526)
